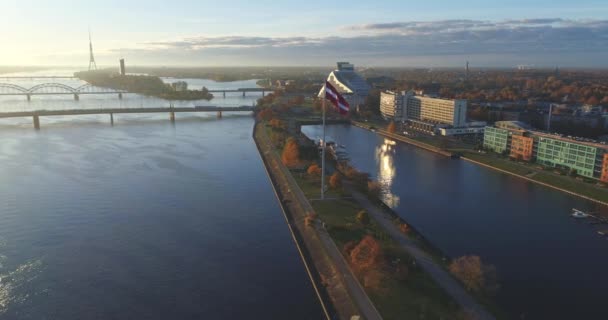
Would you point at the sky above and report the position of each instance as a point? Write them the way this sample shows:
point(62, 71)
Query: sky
point(421, 33)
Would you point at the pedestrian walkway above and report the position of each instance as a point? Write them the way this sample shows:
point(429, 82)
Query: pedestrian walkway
point(452, 287)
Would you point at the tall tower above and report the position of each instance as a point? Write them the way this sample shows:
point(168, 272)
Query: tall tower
point(92, 58)
point(466, 74)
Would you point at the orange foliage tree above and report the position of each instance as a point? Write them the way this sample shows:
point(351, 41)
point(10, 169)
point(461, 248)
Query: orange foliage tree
point(277, 124)
point(391, 127)
point(314, 170)
point(469, 270)
point(366, 254)
point(266, 114)
point(291, 153)
point(335, 181)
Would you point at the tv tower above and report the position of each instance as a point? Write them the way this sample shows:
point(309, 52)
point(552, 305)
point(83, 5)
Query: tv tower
point(92, 58)
point(466, 74)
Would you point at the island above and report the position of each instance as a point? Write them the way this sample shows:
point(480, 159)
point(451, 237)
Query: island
point(143, 84)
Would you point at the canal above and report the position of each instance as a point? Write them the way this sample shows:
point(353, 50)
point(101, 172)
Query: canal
point(549, 265)
point(142, 220)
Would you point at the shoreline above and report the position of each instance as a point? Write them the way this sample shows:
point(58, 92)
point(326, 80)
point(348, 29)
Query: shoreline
point(309, 270)
point(404, 139)
point(447, 153)
point(535, 181)
point(344, 292)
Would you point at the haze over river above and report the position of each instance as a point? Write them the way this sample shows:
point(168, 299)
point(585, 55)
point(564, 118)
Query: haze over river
point(549, 265)
point(142, 220)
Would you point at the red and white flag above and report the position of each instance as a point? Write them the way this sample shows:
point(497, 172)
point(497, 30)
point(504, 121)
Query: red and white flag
point(336, 98)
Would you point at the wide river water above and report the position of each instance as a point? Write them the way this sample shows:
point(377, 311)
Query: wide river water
point(549, 265)
point(142, 220)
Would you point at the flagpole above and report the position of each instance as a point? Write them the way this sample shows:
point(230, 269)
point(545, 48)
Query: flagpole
point(323, 154)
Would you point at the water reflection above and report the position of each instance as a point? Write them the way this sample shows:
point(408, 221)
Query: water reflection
point(387, 171)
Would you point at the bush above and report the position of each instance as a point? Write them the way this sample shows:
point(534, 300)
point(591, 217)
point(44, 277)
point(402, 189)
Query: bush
point(363, 217)
point(474, 274)
point(367, 254)
point(310, 219)
point(468, 269)
point(335, 181)
point(314, 170)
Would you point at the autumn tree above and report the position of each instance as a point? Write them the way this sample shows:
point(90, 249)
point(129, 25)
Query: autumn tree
point(391, 127)
point(335, 181)
point(277, 124)
point(363, 217)
point(469, 270)
point(314, 170)
point(266, 114)
point(291, 153)
point(367, 254)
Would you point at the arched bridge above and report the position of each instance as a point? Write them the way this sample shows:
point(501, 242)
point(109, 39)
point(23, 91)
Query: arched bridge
point(9, 89)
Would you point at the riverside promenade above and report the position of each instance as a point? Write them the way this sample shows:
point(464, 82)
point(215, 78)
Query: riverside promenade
point(329, 272)
point(452, 287)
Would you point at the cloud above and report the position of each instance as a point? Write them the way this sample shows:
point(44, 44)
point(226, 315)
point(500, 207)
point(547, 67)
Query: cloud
point(556, 39)
point(196, 43)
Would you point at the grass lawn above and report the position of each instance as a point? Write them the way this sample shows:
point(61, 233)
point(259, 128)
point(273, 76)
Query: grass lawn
point(415, 297)
point(563, 182)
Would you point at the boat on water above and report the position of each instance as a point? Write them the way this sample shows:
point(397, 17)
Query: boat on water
point(578, 214)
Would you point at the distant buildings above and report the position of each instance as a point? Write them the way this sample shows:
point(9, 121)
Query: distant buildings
point(123, 70)
point(426, 113)
point(586, 157)
point(281, 84)
point(350, 84)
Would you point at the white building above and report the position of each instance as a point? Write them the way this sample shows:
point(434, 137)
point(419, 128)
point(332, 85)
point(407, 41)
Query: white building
point(350, 84)
point(392, 105)
point(408, 106)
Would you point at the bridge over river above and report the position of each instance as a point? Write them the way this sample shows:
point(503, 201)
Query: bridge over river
point(111, 111)
point(53, 88)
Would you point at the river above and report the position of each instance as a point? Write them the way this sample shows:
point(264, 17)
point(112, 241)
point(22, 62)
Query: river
point(549, 265)
point(142, 220)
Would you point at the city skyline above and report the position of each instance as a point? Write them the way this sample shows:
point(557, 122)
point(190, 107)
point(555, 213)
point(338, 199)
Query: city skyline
point(385, 33)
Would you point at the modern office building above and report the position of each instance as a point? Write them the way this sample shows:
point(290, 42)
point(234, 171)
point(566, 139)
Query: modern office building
point(123, 70)
point(403, 106)
point(586, 157)
point(604, 176)
point(522, 147)
point(452, 112)
point(350, 84)
point(496, 139)
point(392, 105)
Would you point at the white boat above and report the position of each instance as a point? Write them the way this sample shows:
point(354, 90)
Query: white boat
point(579, 214)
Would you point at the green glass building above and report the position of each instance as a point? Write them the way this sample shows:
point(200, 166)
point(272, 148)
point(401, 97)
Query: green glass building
point(580, 157)
point(496, 139)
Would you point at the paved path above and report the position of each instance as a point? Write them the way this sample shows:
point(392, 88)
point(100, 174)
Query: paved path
point(440, 275)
